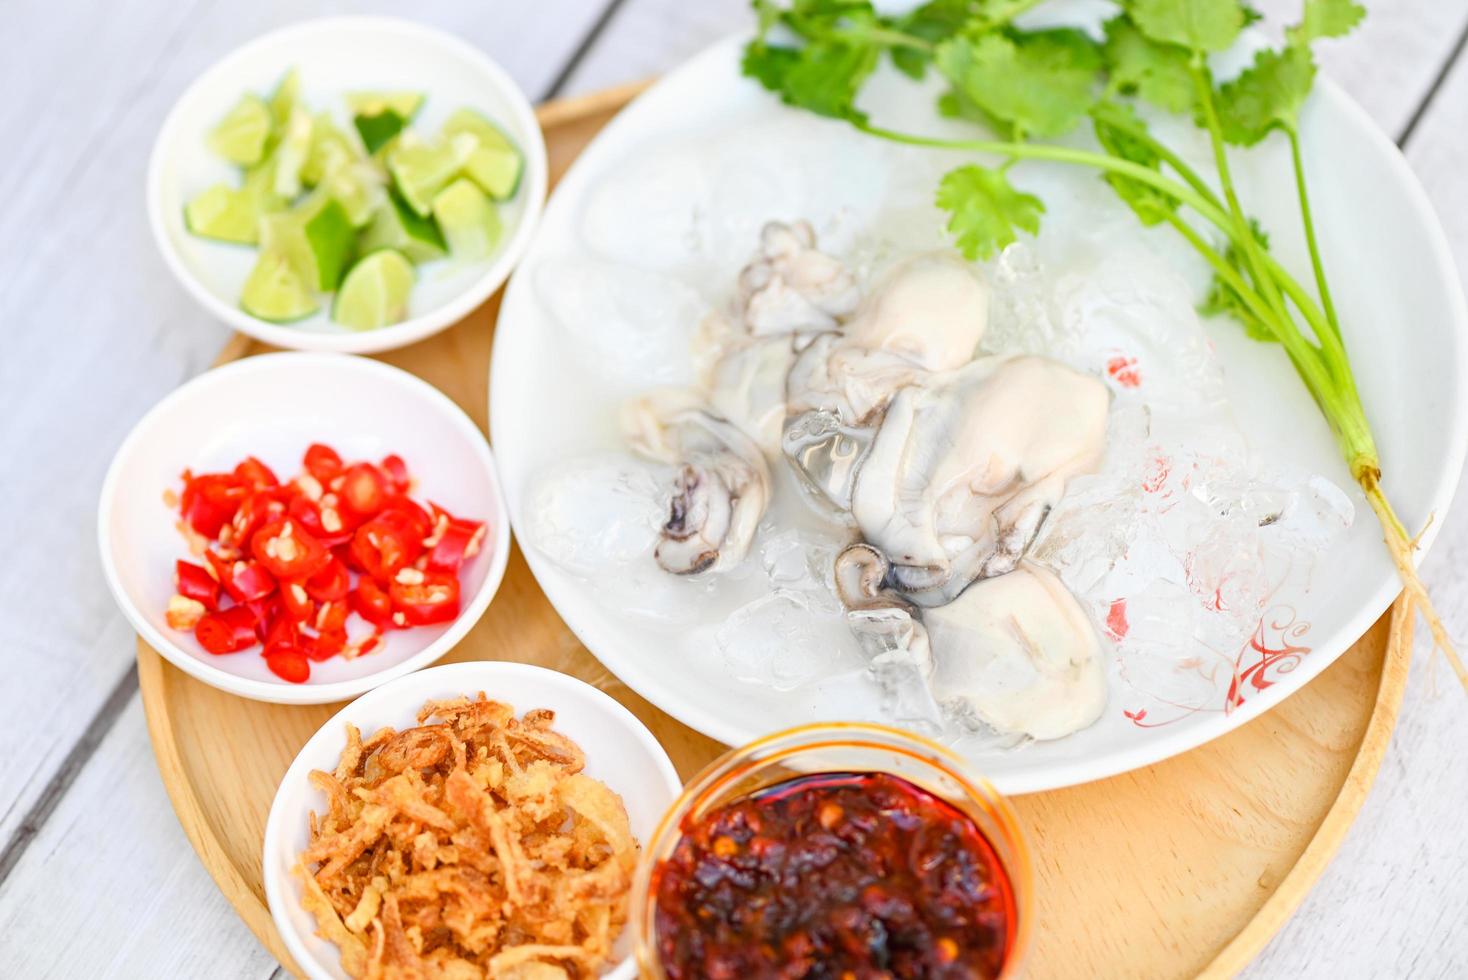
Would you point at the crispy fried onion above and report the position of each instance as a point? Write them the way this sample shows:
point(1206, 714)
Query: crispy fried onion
point(470, 846)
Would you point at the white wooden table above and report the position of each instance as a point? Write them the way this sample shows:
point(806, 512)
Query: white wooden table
point(96, 877)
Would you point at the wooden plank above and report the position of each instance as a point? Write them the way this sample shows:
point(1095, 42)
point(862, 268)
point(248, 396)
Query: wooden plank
point(97, 898)
point(96, 330)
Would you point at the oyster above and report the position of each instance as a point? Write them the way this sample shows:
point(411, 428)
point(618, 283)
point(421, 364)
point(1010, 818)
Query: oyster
point(964, 468)
point(722, 485)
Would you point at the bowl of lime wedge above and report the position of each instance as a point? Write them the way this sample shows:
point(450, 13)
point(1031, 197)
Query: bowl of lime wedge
point(348, 184)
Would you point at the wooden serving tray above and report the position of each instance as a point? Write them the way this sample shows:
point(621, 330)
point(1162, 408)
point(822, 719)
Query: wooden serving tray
point(1185, 868)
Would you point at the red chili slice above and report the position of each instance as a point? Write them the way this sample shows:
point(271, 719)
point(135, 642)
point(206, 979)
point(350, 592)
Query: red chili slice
point(267, 611)
point(289, 663)
point(371, 602)
point(458, 542)
point(210, 500)
point(403, 512)
point(296, 602)
point(430, 597)
point(288, 550)
point(331, 584)
point(256, 473)
point(243, 580)
point(255, 510)
point(325, 644)
point(396, 472)
point(282, 631)
point(227, 632)
point(332, 616)
point(381, 548)
point(363, 490)
point(195, 582)
point(322, 462)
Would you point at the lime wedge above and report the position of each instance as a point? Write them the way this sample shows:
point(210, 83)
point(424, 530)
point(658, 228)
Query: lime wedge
point(330, 149)
point(421, 170)
point(290, 156)
point(405, 104)
point(259, 184)
point(375, 292)
point(316, 239)
point(397, 226)
point(378, 130)
point(357, 188)
point(275, 291)
point(242, 134)
point(494, 163)
point(468, 220)
point(287, 93)
point(224, 213)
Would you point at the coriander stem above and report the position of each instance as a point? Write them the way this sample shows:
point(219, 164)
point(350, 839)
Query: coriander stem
point(1065, 154)
point(1318, 379)
point(1164, 153)
point(1305, 217)
point(1203, 82)
point(890, 36)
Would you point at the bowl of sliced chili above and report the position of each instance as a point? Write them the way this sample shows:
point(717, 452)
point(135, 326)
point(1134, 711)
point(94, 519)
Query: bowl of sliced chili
point(301, 528)
point(835, 850)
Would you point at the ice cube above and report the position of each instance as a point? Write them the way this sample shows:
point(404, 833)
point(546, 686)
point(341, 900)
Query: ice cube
point(785, 639)
point(597, 512)
point(627, 324)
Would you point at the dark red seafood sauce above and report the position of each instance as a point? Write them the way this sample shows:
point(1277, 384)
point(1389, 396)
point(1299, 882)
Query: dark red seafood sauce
point(840, 875)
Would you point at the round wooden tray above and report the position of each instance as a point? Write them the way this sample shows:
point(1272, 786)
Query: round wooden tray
point(1182, 869)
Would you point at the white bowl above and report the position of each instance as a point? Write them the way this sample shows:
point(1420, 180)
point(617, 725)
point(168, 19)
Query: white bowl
point(273, 406)
point(620, 752)
point(336, 55)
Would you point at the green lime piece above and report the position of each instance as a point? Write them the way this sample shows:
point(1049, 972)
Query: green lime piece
point(315, 238)
point(468, 219)
point(290, 156)
point(358, 189)
point(225, 213)
point(420, 170)
point(379, 129)
point(242, 134)
point(405, 104)
point(330, 150)
point(259, 184)
point(397, 226)
point(375, 292)
point(285, 97)
point(275, 292)
point(494, 163)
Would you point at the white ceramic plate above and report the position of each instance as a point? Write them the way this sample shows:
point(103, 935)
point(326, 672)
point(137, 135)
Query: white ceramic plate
point(1392, 273)
point(336, 55)
point(619, 751)
point(273, 406)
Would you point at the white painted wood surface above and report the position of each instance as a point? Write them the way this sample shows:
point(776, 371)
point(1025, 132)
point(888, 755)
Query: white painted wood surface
point(94, 331)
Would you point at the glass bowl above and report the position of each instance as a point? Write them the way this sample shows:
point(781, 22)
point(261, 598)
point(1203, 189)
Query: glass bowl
point(838, 747)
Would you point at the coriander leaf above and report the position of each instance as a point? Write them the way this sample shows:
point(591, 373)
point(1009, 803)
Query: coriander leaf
point(1198, 25)
point(826, 77)
point(1112, 122)
point(985, 209)
point(768, 63)
point(1326, 18)
point(1223, 299)
point(1140, 66)
point(1268, 95)
point(932, 22)
point(1041, 83)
